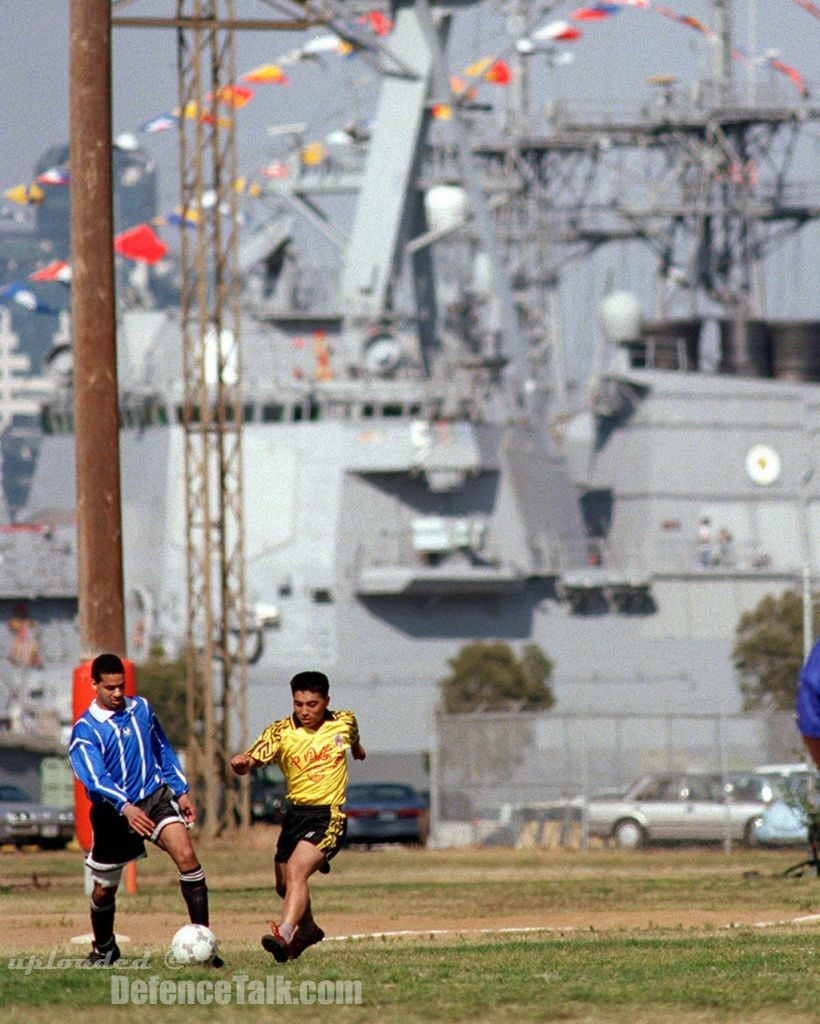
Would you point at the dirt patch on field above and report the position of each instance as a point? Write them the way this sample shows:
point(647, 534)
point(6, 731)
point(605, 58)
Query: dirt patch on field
point(147, 931)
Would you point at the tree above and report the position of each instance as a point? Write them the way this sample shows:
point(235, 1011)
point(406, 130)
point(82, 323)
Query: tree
point(768, 652)
point(162, 682)
point(489, 677)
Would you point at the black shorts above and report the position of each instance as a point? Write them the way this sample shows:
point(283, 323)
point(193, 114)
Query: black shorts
point(115, 842)
point(324, 825)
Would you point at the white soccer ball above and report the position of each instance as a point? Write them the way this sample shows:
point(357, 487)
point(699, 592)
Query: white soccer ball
point(194, 944)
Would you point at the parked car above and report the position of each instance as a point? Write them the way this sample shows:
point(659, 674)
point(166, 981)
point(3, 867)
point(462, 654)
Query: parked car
point(24, 822)
point(785, 821)
point(753, 785)
point(386, 812)
point(673, 806)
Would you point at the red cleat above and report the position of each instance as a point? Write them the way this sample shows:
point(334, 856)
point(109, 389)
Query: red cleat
point(275, 944)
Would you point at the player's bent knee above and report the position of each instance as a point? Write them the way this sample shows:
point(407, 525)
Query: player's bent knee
point(103, 893)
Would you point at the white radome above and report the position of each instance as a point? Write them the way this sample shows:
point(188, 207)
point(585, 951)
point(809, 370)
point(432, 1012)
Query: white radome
point(194, 944)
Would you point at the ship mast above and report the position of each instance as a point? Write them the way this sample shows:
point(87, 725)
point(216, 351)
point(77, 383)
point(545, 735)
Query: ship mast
point(722, 14)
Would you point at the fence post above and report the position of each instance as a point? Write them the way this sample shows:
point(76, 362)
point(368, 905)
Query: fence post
point(585, 787)
point(435, 783)
point(724, 778)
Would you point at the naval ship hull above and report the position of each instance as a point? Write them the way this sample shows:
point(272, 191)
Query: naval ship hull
point(376, 547)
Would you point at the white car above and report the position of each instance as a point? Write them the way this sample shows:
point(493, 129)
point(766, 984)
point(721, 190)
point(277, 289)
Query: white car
point(785, 821)
point(672, 807)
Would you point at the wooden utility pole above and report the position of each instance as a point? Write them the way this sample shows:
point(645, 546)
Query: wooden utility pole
point(93, 318)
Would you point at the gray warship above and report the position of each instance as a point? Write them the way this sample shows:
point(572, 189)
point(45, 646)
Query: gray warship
point(419, 469)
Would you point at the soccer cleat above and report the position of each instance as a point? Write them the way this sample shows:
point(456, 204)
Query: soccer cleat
point(276, 945)
point(97, 958)
point(217, 961)
point(300, 943)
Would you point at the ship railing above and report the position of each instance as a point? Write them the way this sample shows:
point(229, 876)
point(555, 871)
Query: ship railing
point(716, 558)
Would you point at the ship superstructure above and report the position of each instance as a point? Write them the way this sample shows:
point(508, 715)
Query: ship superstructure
point(417, 470)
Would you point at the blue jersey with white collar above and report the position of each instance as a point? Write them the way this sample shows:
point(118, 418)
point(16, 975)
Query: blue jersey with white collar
point(123, 756)
point(808, 695)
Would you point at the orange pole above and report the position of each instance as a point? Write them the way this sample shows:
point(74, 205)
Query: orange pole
point(131, 878)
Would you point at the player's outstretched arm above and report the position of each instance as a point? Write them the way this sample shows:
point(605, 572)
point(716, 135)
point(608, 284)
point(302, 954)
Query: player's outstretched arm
point(243, 763)
point(358, 751)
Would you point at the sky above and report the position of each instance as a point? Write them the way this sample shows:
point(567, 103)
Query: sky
point(613, 60)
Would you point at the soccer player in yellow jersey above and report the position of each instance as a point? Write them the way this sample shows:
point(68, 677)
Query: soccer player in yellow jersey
point(310, 748)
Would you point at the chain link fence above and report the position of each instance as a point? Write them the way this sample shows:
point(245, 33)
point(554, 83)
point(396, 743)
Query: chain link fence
point(512, 774)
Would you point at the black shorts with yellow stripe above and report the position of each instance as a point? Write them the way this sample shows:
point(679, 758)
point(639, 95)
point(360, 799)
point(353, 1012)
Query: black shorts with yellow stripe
point(323, 825)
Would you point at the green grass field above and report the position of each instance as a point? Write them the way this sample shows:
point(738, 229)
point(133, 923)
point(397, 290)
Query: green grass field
point(650, 936)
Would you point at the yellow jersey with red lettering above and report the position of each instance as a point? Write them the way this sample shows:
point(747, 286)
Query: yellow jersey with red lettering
point(313, 761)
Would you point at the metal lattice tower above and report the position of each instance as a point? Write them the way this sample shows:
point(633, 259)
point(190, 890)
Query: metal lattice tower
point(212, 411)
point(212, 404)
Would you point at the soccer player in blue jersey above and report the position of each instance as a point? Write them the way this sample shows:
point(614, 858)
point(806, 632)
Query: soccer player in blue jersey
point(808, 703)
point(138, 791)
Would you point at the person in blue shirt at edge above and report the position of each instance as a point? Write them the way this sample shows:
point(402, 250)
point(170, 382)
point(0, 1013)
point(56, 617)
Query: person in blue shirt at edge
point(808, 703)
point(138, 791)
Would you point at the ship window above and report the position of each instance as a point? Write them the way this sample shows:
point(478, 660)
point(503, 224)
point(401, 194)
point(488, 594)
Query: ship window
point(392, 410)
point(414, 410)
point(272, 413)
point(322, 596)
point(297, 413)
point(314, 411)
point(46, 422)
point(179, 415)
point(368, 411)
point(230, 414)
point(126, 418)
point(162, 415)
point(248, 412)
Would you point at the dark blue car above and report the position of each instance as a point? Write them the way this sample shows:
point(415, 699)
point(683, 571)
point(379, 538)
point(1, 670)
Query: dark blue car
point(386, 812)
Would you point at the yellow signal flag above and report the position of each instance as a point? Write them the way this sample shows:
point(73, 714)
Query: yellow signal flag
point(191, 110)
point(266, 74)
point(313, 154)
point(24, 195)
point(478, 68)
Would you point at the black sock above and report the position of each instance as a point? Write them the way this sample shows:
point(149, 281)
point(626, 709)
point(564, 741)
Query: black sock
point(195, 891)
point(102, 924)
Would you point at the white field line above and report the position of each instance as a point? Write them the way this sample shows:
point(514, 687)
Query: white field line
point(447, 931)
point(805, 919)
point(81, 940)
point(406, 932)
